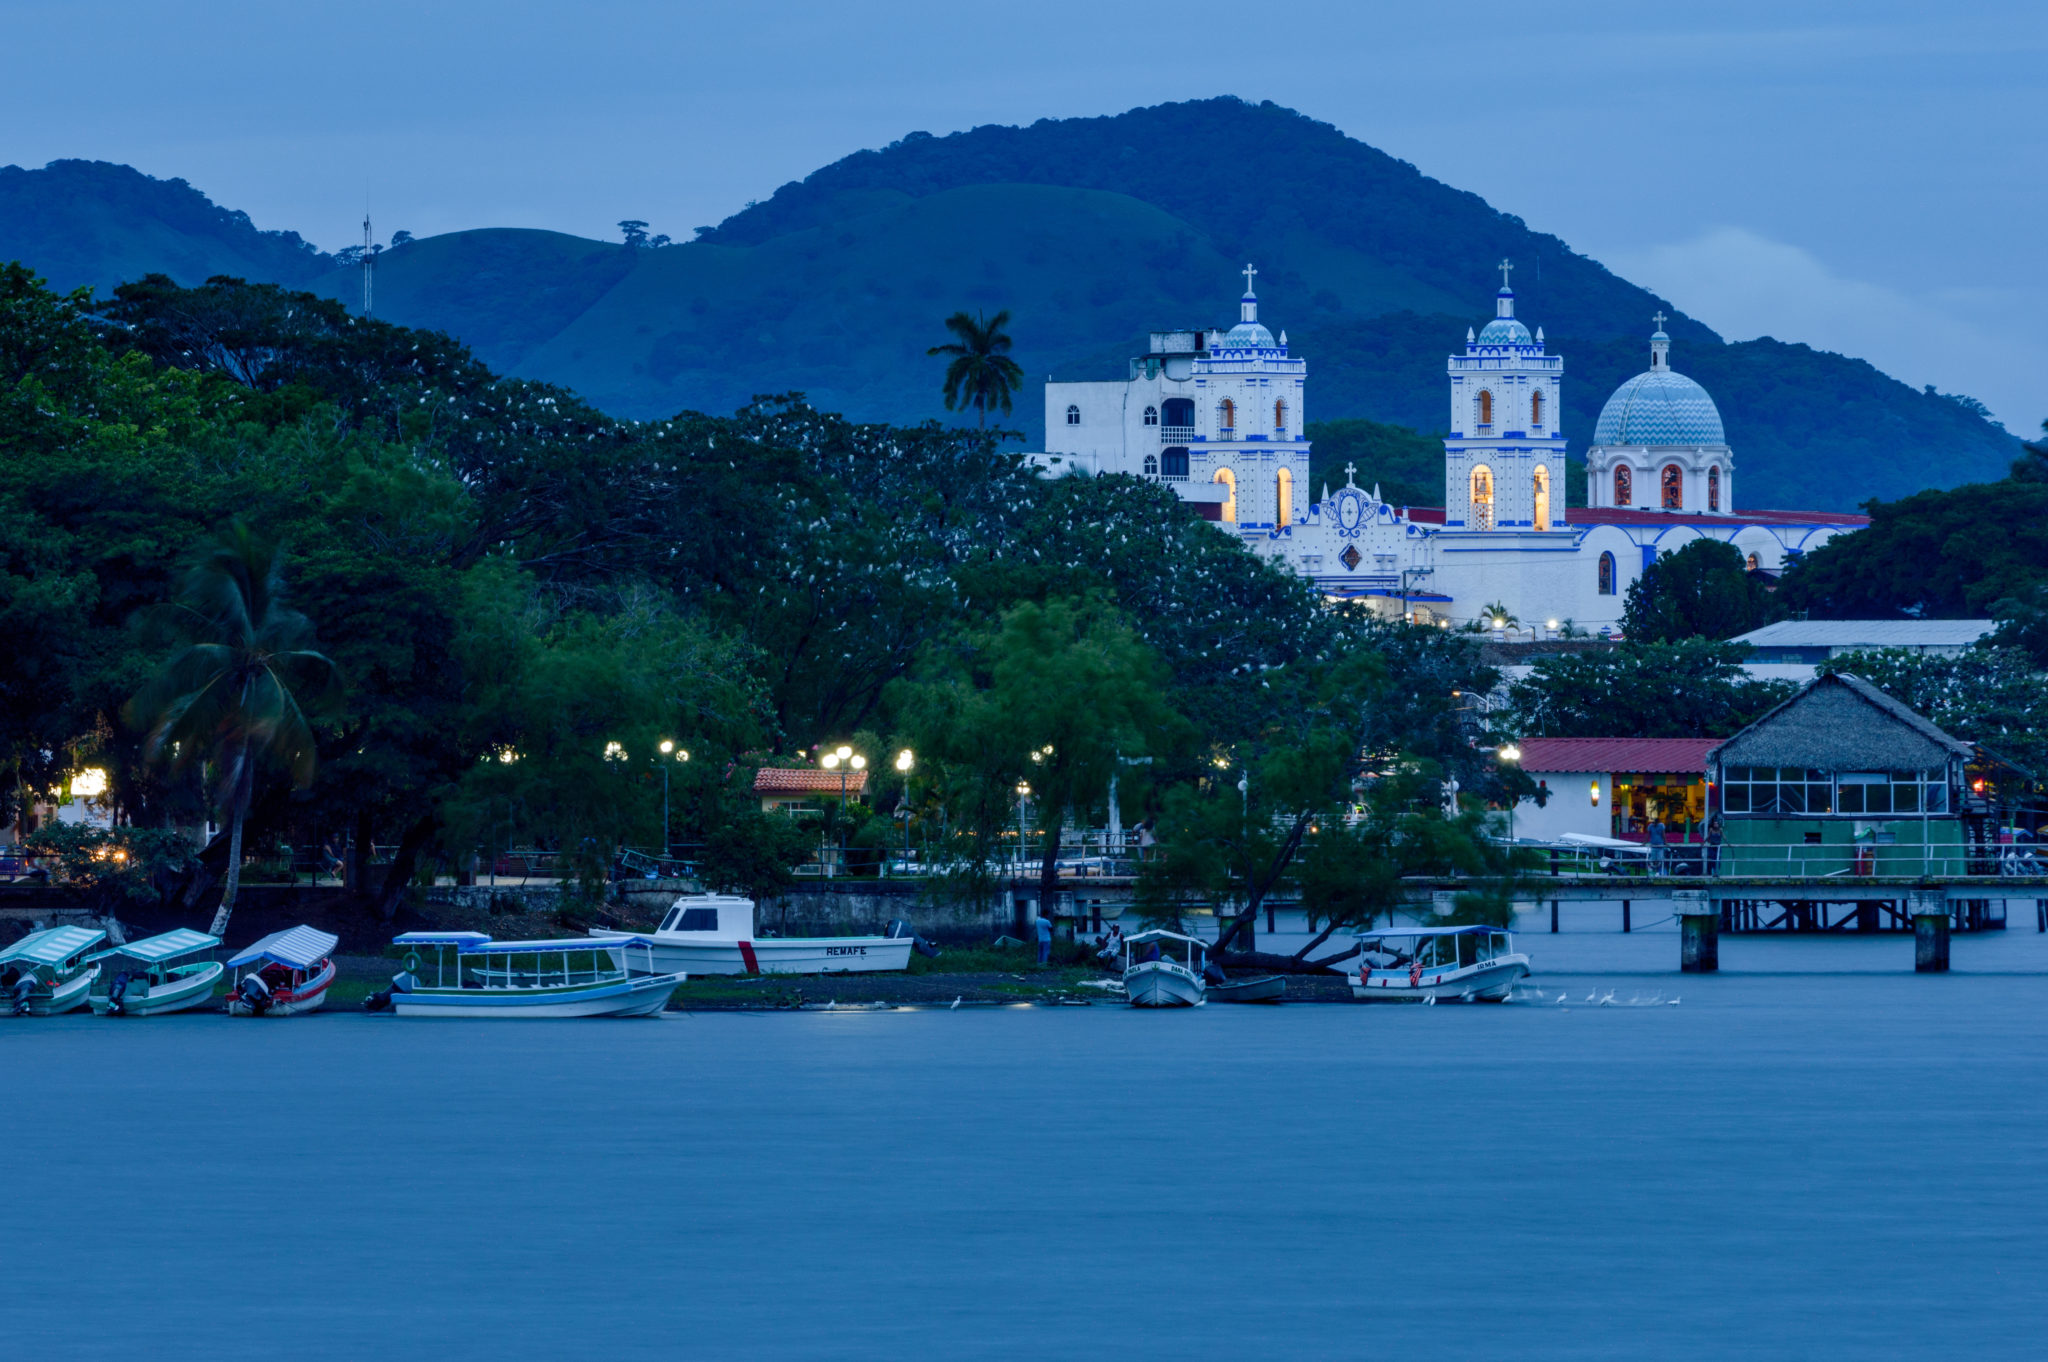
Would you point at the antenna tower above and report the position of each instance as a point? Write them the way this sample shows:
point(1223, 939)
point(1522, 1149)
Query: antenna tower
point(369, 262)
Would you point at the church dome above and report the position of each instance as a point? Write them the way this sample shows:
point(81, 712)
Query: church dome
point(1659, 408)
point(1505, 331)
point(1247, 336)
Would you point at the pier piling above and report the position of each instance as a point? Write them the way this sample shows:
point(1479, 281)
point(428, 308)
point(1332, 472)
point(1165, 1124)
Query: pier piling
point(1699, 932)
point(1930, 931)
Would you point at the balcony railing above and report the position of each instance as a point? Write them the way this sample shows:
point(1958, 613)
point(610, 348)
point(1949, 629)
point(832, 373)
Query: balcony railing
point(1176, 435)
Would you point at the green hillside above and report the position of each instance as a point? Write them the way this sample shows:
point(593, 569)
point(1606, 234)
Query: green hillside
point(1092, 231)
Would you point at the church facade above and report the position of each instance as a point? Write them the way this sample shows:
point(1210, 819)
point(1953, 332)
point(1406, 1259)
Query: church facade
point(1219, 417)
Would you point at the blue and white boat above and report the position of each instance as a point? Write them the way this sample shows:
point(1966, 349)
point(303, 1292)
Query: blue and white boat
point(156, 975)
point(294, 968)
point(1438, 965)
point(467, 974)
point(47, 973)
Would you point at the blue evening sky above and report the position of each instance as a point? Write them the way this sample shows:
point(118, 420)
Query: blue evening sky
point(1870, 177)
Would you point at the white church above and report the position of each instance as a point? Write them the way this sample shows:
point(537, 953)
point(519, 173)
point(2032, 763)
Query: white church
point(1219, 417)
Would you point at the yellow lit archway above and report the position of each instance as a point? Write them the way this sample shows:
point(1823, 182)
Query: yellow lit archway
point(1284, 498)
point(1542, 497)
point(1229, 481)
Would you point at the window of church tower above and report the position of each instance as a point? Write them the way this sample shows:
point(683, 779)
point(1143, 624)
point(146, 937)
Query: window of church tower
point(1229, 481)
point(1151, 416)
point(1151, 467)
point(1485, 407)
point(1173, 463)
point(1674, 487)
point(1283, 500)
point(1280, 418)
point(1714, 488)
point(1073, 416)
point(1536, 408)
point(1482, 498)
point(1607, 574)
point(1624, 486)
point(1226, 415)
point(1542, 497)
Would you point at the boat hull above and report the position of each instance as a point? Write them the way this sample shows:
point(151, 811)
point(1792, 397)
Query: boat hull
point(310, 996)
point(643, 995)
point(1490, 981)
point(1159, 983)
point(684, 953)
point(1263, 990)
point(190, 991)
point(66, 996)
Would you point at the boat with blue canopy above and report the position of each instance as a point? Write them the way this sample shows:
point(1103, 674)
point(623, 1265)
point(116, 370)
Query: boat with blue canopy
point(47, 973)
point(467, 974)
point(156, 975)
point(1438, 965)
point(294, 968)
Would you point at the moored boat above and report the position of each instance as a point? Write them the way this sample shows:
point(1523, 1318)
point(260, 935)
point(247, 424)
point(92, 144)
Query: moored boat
point(1153, 978)
point(1267, 988)
point(156, 975)
point(1438, 964)
point(466, 974)
point(714, 934)
point(293, 970)
point(48, 973)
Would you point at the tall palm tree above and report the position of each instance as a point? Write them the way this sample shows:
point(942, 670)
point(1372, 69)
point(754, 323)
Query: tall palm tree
point(236, 694)
point(982, 374)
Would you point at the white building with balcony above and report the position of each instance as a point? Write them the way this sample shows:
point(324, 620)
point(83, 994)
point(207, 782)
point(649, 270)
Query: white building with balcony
point(1220, 416)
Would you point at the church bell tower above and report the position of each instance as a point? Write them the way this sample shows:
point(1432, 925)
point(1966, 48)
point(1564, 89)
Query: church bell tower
point(1504, 457)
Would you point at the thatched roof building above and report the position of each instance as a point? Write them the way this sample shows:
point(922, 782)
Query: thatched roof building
point(1843, 723)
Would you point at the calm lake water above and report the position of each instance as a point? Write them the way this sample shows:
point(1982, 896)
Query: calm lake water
point(1814, 1155)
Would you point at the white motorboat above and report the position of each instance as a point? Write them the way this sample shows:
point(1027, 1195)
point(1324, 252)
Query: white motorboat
point(294, 968)
point(157, 975)
point(1438, 964)
point(1153, 978)
point(48, 973)
point(714, 934)
point(466, 974)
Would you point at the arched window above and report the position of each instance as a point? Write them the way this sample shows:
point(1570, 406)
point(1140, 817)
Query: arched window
point(1283, 497)
point(1173, 462)
point(1280, 417)
point(1226, 416)
point(1536, 408)
point(1482, 498)
point(1673, 483)
point(1151, 466)
point(1151, 416)
point(1607, 574)
point(1542, 497)
point(1229, 481)
point(1714, 488)
point(1073, 416)
point(1485, 407)
point(1751, 563)
point(1624, 486)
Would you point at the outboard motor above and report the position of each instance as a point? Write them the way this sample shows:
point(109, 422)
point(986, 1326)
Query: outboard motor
point(20, 985)
point(898, 929)
point(255, 994)
point(115, 991)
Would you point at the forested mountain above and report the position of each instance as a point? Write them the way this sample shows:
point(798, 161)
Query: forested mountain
point(1091, 231)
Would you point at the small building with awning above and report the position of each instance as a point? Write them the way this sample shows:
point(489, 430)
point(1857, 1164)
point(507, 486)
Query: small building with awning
point(1615, 787)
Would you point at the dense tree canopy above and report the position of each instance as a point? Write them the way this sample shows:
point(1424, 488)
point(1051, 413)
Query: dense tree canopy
point(1690, 689)
point(1701, 591)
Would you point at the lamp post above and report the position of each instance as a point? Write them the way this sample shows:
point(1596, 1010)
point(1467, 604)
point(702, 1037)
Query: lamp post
point(904, 761)
point(1023, 796)
point(668, 748)
point(843, 759)
point(1510, 754)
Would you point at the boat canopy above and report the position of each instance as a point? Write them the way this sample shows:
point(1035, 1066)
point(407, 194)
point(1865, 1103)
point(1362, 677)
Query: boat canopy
point(157, 949)
point(53, 945)
point(300, 947)
point(1588, 839)
point(459, 939)
point(551, 946)
point(1431, 931)
point(1161, 934)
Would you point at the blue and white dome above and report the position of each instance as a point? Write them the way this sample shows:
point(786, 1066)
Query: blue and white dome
point(1249, 336)
point(1660, 408)
point(1505, 331)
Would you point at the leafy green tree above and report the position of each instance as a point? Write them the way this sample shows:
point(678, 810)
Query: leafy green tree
point(1052, 696)
point(982, 374)
point(1702, 591)
point(236, 695)
point(1690, 689)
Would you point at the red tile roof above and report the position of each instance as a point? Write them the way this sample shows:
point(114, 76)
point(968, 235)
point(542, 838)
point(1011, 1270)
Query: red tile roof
point(1608, 755)
point(807, 780)
point(1636, 515)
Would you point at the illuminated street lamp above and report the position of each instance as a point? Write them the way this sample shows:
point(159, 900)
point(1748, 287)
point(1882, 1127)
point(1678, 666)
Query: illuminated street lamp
point(904, 761)
point(1510, 754)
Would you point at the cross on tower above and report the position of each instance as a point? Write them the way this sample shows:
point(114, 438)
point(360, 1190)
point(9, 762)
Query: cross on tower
point(1505, 266)
point(1659, 319)
point(1248, 273)
point(1350, 472)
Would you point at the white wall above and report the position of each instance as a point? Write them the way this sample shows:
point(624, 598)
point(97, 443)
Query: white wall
point(1570, 807)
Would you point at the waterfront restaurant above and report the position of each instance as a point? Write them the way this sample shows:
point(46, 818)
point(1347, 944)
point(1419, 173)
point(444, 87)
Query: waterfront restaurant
point(1615, 787)
point(1842, 779)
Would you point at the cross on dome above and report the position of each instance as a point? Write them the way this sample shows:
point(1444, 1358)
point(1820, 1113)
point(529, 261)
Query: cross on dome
point(1249, 271)
point(1506, 265)
point(1660, 319)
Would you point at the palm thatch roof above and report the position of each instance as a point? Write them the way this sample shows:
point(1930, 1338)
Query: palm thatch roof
point(1843, 723)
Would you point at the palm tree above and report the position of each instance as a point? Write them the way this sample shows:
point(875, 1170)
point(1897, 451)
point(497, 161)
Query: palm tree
point(236, 694)
point(982, 374)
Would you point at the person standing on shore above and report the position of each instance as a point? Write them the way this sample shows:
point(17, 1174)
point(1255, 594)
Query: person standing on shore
point(1044, 938)
point(1714, 845)
point(1657, 855)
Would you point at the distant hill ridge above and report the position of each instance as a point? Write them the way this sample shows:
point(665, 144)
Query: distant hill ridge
point(1091, 231)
